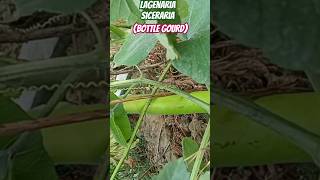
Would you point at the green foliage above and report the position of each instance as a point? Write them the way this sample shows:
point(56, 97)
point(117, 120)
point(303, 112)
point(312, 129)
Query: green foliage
point(173, 170)
point(199, 19)
point(169, 42)
point(27, 7)
point(189, 148)
point(119, 123)
point(286, 30)
point(194, 58)
point(183, 9)
point(28, 159)
point(135, 49)
point(117, 33)
point(191, 57)
point(195, 52)
point(124, 11)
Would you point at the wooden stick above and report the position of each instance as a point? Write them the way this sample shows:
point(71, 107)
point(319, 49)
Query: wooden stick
point(32, 125)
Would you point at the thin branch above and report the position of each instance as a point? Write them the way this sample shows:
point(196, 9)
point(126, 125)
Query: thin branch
point(31, 125)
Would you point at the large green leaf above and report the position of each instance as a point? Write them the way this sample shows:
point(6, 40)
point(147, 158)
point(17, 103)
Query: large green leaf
point(27, 7)
point(28, 158)
point(173, 170)
point(199, 18)
point(135, 49)
point(239, 141)
point(194, 58)
point(287, 31)
point(119, 123)
point(124, 11)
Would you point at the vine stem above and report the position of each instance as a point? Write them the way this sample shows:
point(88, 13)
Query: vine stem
point(139, 122)
point(200, 153)
point(171, 88)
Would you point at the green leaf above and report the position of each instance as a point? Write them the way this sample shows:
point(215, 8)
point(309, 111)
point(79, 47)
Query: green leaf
point(116, 131)
point(189, 147)
point(195, 52)
point(173, 170)
point(205, 176)
point(287, 31)
point(168, 41)
point(194, 58)
point(119, 123)
point(183, 9)
point(31, 161)
point(135, 49)
point(29, 158)
point(199, 18)
point(124, 11)
point(27, 7)
point(117, 33)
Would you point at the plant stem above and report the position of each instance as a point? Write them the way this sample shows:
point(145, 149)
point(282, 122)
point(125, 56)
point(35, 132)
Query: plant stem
point(200, 153)
point(171, 88)
point(139, 122)
point(306, 140)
